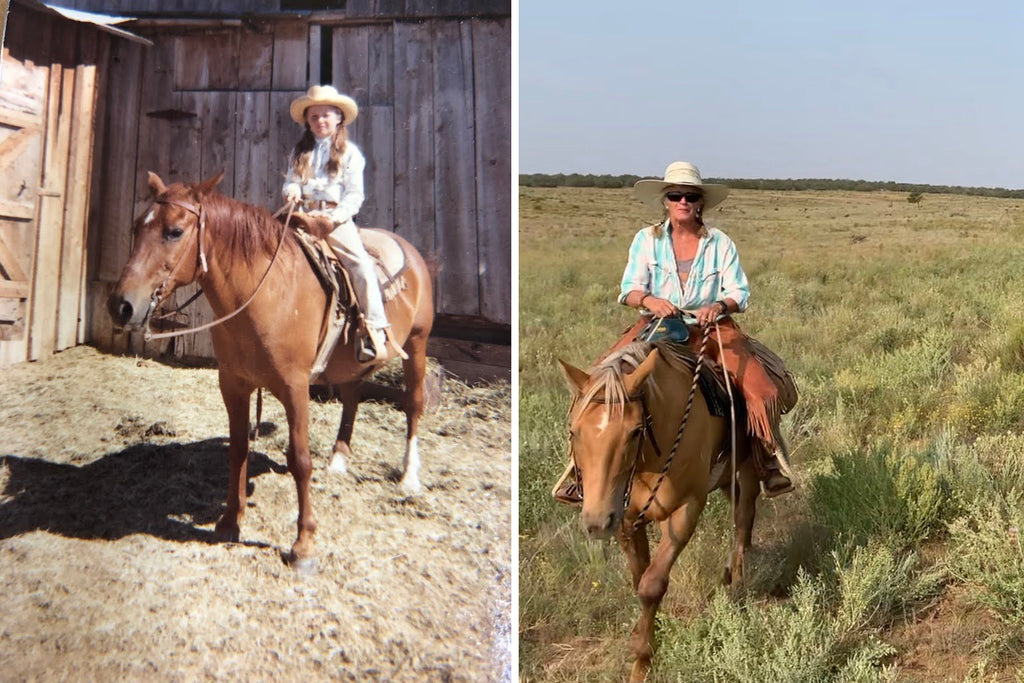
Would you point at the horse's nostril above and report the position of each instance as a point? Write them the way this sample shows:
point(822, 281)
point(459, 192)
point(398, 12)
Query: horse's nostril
point(121, 310)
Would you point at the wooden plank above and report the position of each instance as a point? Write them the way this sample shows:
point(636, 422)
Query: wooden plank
point(206, 61)
point(477, 373)
point(97, 327)
point(414, 134)
point(16, 290)
point(350, 62)
point(92, 54)
point(12, 324)
point(9, 263)
point(16, 209)
point(70, 292)
point(374, 133)
point(155, 140)
point(381, 64)
point(492, 69)
point(454, 179)
point(217, 118)
point(46, 275)
point(316, 35)
point(283, 135)
point(119, 158)
point(186, 166)
point(252, 151)
point(255, 59)
point(12, 117)
point(291, 52)
point(15, 144)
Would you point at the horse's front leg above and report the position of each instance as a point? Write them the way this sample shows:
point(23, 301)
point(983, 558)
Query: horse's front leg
point(236, 395)
point(637, 549)
point(675, 534)
point(295, 398)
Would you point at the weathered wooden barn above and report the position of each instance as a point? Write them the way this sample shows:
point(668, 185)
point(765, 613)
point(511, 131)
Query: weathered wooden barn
point(433, 81)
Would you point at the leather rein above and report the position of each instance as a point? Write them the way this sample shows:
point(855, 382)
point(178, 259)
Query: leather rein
point(201, 269)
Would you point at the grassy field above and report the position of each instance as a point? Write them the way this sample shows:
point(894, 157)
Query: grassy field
point(899, 558)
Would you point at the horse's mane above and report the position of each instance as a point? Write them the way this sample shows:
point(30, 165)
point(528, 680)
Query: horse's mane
point(242, 229)
point(607, 378)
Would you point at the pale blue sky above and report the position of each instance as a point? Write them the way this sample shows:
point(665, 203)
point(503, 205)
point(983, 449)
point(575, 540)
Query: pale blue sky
point(919, 92)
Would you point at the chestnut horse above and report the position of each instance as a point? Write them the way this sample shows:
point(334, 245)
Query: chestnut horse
point(624, 418)
point(193, 233)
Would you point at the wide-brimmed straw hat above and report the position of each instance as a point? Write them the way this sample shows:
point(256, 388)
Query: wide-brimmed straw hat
point(324, 94)
point(652, 190)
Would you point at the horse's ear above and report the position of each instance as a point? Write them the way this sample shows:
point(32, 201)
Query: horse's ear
point(636, 378)
point(156, 186)
point(208, 185)
point(574, 377)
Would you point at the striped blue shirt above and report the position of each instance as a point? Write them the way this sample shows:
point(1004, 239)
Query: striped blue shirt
point(716, 273)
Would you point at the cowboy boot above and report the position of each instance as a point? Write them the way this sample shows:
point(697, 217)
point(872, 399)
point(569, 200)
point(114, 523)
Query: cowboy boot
point(776, 482)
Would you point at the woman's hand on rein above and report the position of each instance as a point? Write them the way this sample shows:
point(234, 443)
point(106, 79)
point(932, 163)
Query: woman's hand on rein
point(709, 314)
point(661, 308)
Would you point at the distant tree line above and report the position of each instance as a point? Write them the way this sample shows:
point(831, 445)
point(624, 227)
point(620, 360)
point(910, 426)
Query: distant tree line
point(591, 180)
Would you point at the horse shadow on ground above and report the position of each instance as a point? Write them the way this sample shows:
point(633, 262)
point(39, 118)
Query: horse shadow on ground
point(163, 490)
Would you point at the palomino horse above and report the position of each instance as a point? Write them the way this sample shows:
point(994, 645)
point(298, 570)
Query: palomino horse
point(194, 233)
point(625, 417)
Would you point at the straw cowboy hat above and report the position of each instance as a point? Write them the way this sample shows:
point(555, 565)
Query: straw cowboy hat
point(324, 94)
point(651, 190)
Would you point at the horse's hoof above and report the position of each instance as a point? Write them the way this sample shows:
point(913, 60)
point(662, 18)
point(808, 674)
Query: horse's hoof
point(226, 531)
point(726, 576)
point(411, 487)
point(306, 566)
point(338, 464)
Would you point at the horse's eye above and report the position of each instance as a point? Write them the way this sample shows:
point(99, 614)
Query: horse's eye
point(173, 233)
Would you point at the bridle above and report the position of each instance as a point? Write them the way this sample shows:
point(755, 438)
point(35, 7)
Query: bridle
point(646, 433)
point(201, 269)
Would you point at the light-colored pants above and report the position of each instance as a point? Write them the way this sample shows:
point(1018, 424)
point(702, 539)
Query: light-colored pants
point(350, 250)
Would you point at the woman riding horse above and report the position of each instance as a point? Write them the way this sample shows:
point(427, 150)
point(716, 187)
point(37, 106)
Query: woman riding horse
point(680, 265)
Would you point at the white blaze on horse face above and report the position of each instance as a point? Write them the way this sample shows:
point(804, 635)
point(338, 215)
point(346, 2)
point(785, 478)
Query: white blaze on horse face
point(603, 424)
point(411, 477)
point(149, 217)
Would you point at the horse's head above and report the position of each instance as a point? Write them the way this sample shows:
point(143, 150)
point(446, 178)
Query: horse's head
point(166, 251)
point(605, 425)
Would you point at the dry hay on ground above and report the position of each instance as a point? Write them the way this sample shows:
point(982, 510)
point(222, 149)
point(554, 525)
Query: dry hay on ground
point(113, 471)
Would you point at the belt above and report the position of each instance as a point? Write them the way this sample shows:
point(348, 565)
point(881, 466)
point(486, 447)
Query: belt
point(318, 205)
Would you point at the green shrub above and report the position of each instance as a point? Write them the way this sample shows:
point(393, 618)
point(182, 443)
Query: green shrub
point(898, 495)
point(829, 630)
point(987, 554)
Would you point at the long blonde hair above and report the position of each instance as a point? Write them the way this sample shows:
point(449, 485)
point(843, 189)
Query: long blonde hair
point(303, 152)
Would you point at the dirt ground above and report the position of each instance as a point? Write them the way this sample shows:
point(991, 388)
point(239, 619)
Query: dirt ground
point(113, 471)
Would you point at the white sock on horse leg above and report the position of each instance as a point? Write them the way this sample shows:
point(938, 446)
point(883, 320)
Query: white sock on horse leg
point(411, 476)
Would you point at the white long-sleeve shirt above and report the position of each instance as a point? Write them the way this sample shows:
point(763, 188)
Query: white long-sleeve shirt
point(345, 188)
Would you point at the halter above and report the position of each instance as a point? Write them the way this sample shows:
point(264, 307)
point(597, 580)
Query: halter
point(200, 214)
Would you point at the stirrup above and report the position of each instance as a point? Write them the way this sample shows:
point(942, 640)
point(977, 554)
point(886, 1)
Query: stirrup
point(371, 346)
point(783, 484)
point(566, 490)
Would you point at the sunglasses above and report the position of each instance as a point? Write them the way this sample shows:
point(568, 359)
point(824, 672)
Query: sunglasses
point(690, 197)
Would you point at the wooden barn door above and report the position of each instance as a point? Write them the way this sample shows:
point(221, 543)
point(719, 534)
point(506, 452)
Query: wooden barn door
point(47, 101)
point(22, 121)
